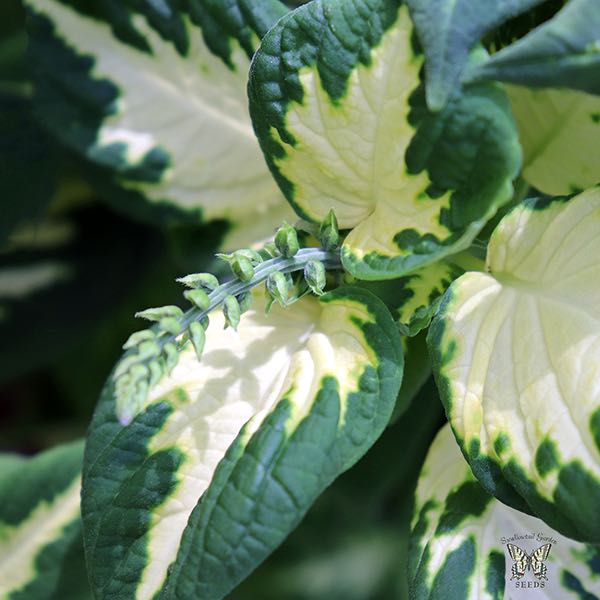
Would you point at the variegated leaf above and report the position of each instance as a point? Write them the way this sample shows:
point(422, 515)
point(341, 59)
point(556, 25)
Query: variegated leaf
point(559, 130)
point(420, 294)
point(460, 536)
point(154, 95)
point(516, 352)
point(41, 551)
point(339, 109)
point(228, 454)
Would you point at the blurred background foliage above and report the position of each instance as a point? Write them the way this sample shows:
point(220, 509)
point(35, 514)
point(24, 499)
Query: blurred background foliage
point(73, 272)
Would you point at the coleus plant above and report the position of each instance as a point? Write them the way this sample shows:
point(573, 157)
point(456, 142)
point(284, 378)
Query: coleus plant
point(438, 184)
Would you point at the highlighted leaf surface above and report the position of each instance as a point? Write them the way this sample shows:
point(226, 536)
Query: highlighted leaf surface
point(229, 453)
point(517, 359)
point(559, 132)
point(41, 552)
point(154, 94)
point(460, 537)
point(338, 105)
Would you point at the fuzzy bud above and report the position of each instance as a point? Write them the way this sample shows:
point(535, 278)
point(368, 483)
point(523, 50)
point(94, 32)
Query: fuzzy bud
point(231, 311)
point(198, 337)
point(314, 275)
point(278, 287)
point(199, 298)
point(245, 301)
point(242, 268)
point(156, 314)
point(286, 240)
point(170, 325)
point(329, 234)
point(138, 337)
point(206, 281)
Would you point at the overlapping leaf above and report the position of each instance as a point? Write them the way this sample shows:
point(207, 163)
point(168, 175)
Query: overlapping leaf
point(448, 30)
point(562, 53)
point(420, 294)
point(338, 105)
point(41, 551)
point(154, 95)
point(459, 546)
point(517, 358)
point(559, 131)
point(227, 455)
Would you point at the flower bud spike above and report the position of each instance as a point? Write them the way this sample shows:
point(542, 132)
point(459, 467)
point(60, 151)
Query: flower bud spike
point(206, 281)
point(314, 275)
point(278, 287)
point(198, 297)
point(156, 314)
point(198, 338)
point(286, 240)
point(329, 234)
point(231, 311)
point(241, 267)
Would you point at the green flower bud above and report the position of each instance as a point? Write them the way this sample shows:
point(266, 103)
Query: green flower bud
point(170, 325)
point(314, 274)
point(125, 364)
point(329, 234)
point(148, 350)
point(245, 301)
point(199, 298)
point(139, 336)
point(251, 255)
point(171, 356)
point(198, 338)
point(157, 370)
point(286, 240)
point(270, 250)
point(138, 372)
point(231, 310)
point(156, 314)
point(278, 287)
point(205, 281)
point(242, 268)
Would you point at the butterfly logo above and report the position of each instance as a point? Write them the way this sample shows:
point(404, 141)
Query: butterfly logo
point(533, 561)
